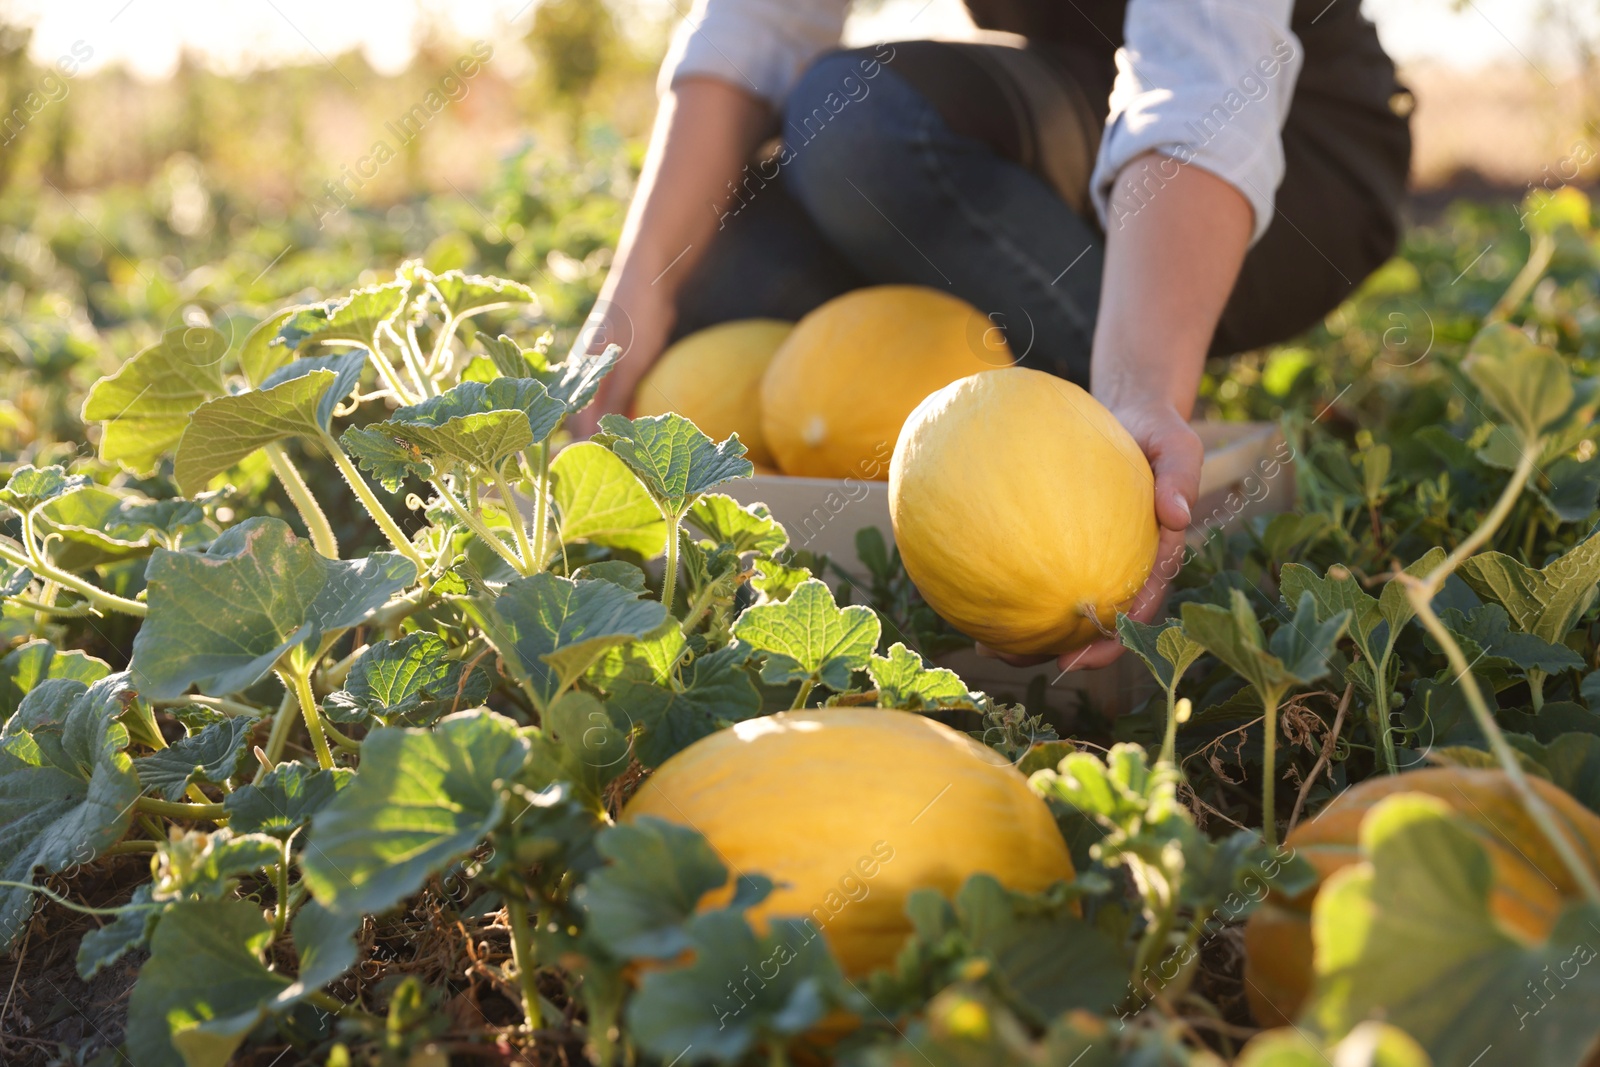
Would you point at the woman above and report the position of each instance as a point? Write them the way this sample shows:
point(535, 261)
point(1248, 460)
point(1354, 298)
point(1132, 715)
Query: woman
point(1125, 186)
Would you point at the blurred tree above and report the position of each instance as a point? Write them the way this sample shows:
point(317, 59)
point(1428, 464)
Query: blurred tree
point(572, 40)
point(16, 81)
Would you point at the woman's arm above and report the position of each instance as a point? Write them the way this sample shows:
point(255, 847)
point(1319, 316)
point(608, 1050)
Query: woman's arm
point(705, 132)
point(1171, 263)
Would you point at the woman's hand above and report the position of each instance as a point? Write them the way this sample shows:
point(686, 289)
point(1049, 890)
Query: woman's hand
point(640, 326)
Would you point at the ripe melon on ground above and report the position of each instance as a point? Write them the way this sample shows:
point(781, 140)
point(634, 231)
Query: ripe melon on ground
point(839, 388)
point(1531, 884)
point(713, 379)
point(1023, 511)
point(850, 809)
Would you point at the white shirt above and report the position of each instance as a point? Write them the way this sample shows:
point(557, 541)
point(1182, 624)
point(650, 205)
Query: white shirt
point(1206, 82)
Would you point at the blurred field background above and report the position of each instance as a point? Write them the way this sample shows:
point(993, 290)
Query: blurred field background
point(162, 159)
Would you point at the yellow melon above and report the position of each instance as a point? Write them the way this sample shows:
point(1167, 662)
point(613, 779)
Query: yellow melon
point(848, 810)
point(1531, 884)
point(713, 379)
point(839, 388)
point(1024, 512)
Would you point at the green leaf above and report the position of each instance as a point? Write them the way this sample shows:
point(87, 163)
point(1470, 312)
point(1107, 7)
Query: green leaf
point(556, 628)
point(67, 788)
point(639, 905)
point(31, 486)
point(695, 1011)
point(387, 458)
point(714, 691)
point(284, 800)
point(409, 682)
point(209, 866)
point(465, 294)
point(1486, 637)
point(599, 500)
point(1373, 1044)
point(1304, 646)
point(578, 745)
point(776, 582)
point(222, 618)
point(205, 986)
point(1298, 652)
point(616, 572)
point(145, 406)
point(744, 529)
point(476, 423)
point(213, 755)
point(575, 380)
point(904, 682)
point(1409, 936)
point(102, 946)
point(1332, 595)
point(809, 637)
point(1526, 383)
point(1546, 603)
point(296, 400)
point(119, 525)
point(674, 460)
point(354, 320)
point(27, 665)
point(1166, 650)
point(1573, 488)
point(1571, 761)
point(13, 580)
point(1393, 602)
point(423, 799)
point(258, 356)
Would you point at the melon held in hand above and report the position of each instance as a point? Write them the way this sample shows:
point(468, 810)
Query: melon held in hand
point(1023, 510)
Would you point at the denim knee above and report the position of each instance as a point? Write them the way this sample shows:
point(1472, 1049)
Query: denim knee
point(847, 119)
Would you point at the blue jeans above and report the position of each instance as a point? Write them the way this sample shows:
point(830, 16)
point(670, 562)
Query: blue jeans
point(883, 192)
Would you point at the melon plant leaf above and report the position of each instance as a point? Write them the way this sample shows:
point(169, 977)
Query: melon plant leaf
point(1486, 637)
point(695, 1006)
point(615, 571)
point(423, 799)
point(776, 581)
point(1393, 602)
point(464, 294)
point(354, 320)
point(30, 486)
point(598, 499)
point(296, 400)
point(810, 638)
point(904, 682)
point(27, 665)
point(578, 745)
point(13, 580)
point(205, 986)
point(284, 800)
point(222, 618)
point(119, 525)
point(1332, 595)
point(408, 682)
point(1573, 490)
point(674, 460)
point(1165, 649)
point(648, 660)
point(477, 424)
point(258, 356)
point(575, 380)
point(712, 692)
point(507, 359)
point(1570, 760)
point(385, 457)
point(639, 905)
point(209, 866)
point(102, 946)
point(744, 529)
point(1297, 653)
point(1305, 646)
point(145, 406)
point(1546, 603)
point(556, 628)
point(1408, 935)
point(67, 788)
point(1526, 383)
point(213, 755)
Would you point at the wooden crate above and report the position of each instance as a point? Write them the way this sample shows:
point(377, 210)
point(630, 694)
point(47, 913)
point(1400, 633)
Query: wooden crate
point(1247, 471)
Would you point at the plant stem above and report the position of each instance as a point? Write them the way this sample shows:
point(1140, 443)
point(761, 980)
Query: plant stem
point(172, 809)
point(129, 848)
point(477, 526)
point(369, 500)
point(804, 694)
point(90, 592)
point(669, 577)
point(300, 683)
point(75, 611)
point(411, 355)
point(1540, 253)
point(509, 501)
point(1269, 769)
point(1169, 743)
point(339, 739)
point(697, 608)
point(277, 737)
point(1381, 712)
point(227, 707)
point(1536, 688)
point(1421, 592)
point(310, 511)
point(541, 509)
point(522, 955)
point(386, 373)
point(280, 881)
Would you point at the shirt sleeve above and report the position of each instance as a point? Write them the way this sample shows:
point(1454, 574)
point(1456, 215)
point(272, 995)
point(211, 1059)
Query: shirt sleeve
point(760, 46)
point(1208, 83)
